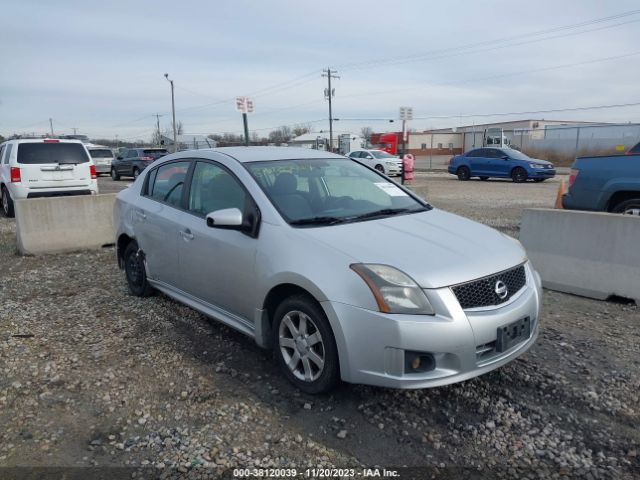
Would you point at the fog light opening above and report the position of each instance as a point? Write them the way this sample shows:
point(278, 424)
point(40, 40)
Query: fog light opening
point(418, 362)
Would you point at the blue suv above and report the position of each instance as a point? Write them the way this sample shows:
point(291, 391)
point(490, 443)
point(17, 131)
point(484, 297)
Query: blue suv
point(500, 163)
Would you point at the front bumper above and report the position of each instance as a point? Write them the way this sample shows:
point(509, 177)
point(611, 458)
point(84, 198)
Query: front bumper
point(372, 345)
point(542, 173)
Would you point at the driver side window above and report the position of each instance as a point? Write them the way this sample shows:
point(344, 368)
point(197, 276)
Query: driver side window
point(167, 183)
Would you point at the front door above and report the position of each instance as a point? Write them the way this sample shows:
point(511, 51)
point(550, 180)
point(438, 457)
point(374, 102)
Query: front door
point(217, 265)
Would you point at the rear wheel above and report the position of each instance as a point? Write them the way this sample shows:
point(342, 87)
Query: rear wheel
point(114, 175)
point(628, 207)
point(484, 178)
point(7, 203)
point(304, 345)
point(463, 173)
point(519, 175)
point(380, 168)
point(135, 271)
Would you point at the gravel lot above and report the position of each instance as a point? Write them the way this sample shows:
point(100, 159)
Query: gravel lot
point(91, 376)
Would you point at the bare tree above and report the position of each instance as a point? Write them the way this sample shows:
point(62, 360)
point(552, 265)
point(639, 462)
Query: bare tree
point(280, 135)
point(179, 128)
point(366, 133)
point(301, 129)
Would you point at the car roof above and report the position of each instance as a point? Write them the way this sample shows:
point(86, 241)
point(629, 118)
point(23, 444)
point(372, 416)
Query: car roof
point(42, 140)
point(260, 154)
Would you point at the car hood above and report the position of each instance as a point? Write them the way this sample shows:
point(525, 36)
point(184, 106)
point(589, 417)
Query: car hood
point(436, 248)
point(541, 162)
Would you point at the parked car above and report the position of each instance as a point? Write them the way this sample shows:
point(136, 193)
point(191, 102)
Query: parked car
point(500, 163)
point(102, 158)
point(342, 272)
point(605, 184)
point(635, 150)
point(382, 161)
point(44, 167)
point(134, 160)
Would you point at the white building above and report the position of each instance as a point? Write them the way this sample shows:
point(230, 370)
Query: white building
point(343, 142)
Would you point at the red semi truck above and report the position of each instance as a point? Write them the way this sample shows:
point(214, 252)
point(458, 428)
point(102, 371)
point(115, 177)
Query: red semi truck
point(388, 142)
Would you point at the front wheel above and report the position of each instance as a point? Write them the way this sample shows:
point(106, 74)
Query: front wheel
point(628, 207)
point(7, 203)
point(484, 178)
point(538, 180)
point(304, 345)
point(135, 271)
point(463, 173)
point(380, 168)
point(136, 173)
point(114, 175)
point(519, 175)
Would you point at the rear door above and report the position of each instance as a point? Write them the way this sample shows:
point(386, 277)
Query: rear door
point(157, 218)
point(53, 164)
point(478, 162)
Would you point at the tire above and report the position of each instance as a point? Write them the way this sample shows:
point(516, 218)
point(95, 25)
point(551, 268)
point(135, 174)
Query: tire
point(309, 376)
point(463, 173)
point(380, 168)
point(628, 207)
point(136, 173)
point(484, 179)
point(135, 272)
point(539, 180)
point(114, 175)
point(7, 203)
point(519, 175)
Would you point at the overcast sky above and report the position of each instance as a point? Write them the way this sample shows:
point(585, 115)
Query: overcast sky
point(99, 66)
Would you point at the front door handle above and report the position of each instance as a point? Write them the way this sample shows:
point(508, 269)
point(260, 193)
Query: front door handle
point(186, 234)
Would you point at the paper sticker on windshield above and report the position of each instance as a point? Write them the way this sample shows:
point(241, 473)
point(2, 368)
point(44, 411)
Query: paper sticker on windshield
point(390, 189)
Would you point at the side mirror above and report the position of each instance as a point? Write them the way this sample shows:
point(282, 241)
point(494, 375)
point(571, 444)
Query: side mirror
point(369, 157)
point(505, 157)
point(229, 218)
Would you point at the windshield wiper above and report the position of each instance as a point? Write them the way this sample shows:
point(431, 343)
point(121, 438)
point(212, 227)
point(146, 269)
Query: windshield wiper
point(386, 212)
point(317, 221)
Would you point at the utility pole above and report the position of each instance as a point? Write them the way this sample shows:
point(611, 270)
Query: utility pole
point(328, 93)
point(159, 136)
point(51, 125)
point(75, 130)
point(173, 110)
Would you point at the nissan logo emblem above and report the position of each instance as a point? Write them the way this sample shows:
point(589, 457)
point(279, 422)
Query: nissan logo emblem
point(501, 290)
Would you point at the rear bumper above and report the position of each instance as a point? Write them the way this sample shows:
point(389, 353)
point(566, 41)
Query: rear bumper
point(63, 193)
point(103, 168)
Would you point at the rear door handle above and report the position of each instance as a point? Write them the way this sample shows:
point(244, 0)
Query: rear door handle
point(186, 234)
point(141, 214)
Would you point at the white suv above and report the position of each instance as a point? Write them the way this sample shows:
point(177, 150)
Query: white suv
point(44, 167)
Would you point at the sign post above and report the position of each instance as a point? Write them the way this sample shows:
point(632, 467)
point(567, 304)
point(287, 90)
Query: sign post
point(245, 105)
point(406, 114)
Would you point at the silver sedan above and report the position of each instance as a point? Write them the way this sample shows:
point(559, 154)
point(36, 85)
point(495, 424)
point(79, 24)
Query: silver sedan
point(342, 272)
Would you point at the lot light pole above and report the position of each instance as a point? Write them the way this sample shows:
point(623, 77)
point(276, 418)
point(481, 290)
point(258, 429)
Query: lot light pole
point(328, 93)
point(173, 111)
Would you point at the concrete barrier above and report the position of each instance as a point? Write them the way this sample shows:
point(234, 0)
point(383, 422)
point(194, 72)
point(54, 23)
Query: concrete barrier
point(585, 253)
point(64, 224)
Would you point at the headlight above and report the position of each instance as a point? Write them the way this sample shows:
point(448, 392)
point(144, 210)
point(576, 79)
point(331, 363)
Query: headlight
point(391, 164)
point(394, 291)
point(536, 165)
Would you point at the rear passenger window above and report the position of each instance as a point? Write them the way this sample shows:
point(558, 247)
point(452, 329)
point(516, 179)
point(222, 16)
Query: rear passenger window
point(166, 182)
point(7, 154)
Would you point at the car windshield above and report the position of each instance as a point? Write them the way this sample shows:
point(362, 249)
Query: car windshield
point(381, 154)
point(101, 153)
point(515, 154)
point(332, 191)
point(52, 152)
point(155, 152)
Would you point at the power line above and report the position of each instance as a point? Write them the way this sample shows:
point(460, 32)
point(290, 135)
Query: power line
point(472, 47)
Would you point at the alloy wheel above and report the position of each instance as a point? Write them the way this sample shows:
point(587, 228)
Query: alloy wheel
point(301, 346)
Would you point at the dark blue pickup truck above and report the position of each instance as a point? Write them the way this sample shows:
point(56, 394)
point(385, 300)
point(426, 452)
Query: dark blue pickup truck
point(605, 184)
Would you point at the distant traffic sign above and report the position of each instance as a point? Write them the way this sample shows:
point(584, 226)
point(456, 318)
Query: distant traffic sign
point(406, 113)
point(244, 104)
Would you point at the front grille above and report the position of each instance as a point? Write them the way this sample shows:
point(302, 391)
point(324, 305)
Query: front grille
point(482, 292)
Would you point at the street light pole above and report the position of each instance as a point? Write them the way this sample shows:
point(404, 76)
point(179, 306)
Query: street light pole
point(173, 111)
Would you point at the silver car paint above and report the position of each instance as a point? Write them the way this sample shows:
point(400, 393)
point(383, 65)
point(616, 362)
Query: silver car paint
point(228, 276)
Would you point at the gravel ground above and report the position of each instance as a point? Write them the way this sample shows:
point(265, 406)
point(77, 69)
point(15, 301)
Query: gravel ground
point(91, 376)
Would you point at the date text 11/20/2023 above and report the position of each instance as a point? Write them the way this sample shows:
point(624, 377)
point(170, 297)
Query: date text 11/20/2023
point(314, 473)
